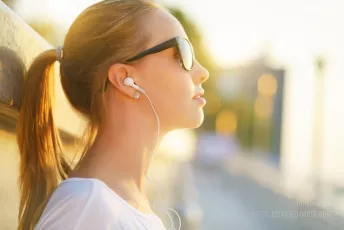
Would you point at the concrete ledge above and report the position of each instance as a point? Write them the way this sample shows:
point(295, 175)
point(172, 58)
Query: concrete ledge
point(19, 45)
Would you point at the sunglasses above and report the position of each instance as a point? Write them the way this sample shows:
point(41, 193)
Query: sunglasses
point(184, 48)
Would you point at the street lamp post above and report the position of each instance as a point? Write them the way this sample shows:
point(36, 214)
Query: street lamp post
point(318, 126)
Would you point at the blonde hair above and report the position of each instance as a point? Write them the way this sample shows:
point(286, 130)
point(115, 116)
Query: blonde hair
point(105, 33)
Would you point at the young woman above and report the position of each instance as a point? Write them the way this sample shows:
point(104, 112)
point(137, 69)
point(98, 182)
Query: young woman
point(128, 67)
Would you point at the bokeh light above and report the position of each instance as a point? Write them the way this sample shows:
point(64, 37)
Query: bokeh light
point(226, 122)
point(267, 85)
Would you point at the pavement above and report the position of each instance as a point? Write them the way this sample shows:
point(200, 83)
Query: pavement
point(232, 201)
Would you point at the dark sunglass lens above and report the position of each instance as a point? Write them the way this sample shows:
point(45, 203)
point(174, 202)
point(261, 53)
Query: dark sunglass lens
point(187, 53)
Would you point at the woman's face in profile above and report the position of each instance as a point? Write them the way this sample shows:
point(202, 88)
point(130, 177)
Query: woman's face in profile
point(171, 87)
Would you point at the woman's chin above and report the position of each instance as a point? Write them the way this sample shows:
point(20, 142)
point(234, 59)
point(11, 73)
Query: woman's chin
point(197, 120)
point(189, 121)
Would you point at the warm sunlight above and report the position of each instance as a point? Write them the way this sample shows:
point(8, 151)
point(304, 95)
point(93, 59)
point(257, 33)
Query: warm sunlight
point(178, 144)
point(62, 12)
point(229, 50)
point(271, 139)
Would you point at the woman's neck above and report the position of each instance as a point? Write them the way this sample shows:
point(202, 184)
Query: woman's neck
point(121, 152)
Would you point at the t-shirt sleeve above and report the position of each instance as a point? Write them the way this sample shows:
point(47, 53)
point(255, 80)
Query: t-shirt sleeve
point(78, 209)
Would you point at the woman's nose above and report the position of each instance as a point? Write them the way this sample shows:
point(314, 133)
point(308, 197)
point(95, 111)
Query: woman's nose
point(201, 73)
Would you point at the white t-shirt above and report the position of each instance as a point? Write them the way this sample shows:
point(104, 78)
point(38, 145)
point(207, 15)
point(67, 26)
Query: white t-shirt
point(89, 204)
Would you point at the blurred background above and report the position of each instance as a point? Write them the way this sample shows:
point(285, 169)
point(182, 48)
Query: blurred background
point(269, 154)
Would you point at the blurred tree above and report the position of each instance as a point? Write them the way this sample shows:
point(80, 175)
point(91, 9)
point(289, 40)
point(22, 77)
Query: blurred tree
point(203, 56)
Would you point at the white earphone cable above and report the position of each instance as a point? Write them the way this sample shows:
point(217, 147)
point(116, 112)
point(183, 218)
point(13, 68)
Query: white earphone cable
point(130, 82)
point(153, 151)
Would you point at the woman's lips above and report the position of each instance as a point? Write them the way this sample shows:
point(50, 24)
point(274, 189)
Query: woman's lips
point(199, 94)
point(200, 100)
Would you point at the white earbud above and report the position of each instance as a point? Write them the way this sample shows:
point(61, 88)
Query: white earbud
point(130, 82)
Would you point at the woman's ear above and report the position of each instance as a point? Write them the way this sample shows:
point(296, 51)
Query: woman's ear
point(116, 75)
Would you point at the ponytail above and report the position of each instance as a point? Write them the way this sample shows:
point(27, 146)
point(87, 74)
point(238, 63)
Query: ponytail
point(42, 164)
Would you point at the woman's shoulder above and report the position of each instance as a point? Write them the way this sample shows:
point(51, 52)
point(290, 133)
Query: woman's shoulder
point(79, 201)
point(83, 192)
point(79, 188)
